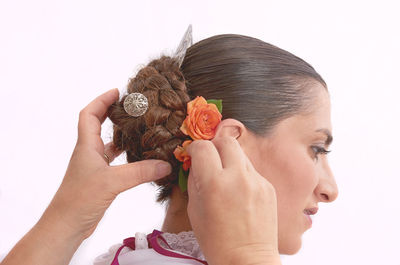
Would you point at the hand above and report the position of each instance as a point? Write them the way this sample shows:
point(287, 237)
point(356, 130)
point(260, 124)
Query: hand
point(87, 190)
point(90, 185)
point(232, 208)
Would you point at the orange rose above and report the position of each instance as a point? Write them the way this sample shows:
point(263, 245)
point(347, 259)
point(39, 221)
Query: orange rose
point(202, 119)
point(182, 155)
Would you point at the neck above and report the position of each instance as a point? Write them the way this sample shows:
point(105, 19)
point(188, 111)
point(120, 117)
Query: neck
point(176, 218)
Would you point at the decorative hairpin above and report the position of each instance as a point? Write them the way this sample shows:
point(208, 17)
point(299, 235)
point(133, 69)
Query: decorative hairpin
point(136, 104)
point(185, 43)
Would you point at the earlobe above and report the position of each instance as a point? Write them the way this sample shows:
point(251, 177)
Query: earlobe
point(229, 128)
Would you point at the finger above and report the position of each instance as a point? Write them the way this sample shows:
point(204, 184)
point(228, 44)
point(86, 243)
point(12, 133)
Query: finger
point(111, 151)
point(93, 115)
point(205, 160)
point(193, 187)
point(230, 151)
point(132, 174)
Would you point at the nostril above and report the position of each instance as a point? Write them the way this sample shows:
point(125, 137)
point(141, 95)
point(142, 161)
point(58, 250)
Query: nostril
point(325, 196)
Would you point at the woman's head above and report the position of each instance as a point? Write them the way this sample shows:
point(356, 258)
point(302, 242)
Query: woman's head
point(292, 158)
point(273, 99)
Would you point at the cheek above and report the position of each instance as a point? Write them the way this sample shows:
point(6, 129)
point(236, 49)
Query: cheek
point(292, 172)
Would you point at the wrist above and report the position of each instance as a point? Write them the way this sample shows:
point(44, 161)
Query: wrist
point(57, 240)
point(53, 224)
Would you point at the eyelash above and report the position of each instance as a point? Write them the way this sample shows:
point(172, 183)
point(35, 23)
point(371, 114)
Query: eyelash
point(319, 150)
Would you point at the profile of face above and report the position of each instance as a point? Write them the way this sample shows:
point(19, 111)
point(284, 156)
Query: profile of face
point(292, 160)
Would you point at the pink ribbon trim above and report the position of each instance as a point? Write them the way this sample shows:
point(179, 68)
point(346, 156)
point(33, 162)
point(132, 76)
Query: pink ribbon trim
point(152, 239)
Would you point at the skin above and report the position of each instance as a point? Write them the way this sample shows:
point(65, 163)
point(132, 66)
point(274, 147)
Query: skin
point(289, 160)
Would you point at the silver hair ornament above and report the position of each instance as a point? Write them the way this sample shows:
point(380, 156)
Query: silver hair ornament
point(185, 43)
point(136, 104)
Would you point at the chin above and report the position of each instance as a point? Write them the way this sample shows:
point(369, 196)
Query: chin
point(289, 246)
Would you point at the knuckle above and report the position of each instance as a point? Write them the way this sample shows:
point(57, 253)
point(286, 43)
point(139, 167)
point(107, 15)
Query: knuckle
point(266, 186)
point(200, 145)
point(248, 182)
point(227, 140)
point(223, 140)
point(248, 187)
point(145, 171)
point(140, 173)
point(82, 113)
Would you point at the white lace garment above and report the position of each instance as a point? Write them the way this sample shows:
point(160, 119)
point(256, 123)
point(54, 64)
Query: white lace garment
point(184, 242)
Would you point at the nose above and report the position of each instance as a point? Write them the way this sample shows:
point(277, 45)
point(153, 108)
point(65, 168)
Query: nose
point(327, 189)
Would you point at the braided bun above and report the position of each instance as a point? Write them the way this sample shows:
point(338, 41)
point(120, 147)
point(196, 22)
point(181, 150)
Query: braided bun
point(155, 134)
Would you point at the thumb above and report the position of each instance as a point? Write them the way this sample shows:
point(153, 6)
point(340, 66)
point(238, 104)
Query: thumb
point(132, 174)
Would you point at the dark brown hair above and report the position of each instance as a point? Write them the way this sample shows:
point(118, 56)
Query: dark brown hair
point(259, 84)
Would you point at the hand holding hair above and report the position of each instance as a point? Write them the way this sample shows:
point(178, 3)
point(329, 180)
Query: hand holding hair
point(229, 203)
point(89, 187)
point(89, 180)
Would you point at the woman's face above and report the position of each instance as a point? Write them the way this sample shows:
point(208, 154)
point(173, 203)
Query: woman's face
point(290, 161)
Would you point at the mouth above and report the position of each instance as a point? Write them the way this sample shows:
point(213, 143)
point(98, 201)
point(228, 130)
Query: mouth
point(309, 212)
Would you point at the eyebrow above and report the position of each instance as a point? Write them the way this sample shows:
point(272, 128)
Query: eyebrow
point(329, 137)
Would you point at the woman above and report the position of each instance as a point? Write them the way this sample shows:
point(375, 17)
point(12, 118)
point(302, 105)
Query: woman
point(275, 106)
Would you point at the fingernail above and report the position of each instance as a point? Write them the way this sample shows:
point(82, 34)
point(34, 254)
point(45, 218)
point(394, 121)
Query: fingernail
point(163, 169)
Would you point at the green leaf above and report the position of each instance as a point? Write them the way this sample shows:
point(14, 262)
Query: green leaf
point(216, 102)
point(183, 176)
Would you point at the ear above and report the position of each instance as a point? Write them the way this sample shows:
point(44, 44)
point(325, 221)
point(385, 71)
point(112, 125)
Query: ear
point(231, 128)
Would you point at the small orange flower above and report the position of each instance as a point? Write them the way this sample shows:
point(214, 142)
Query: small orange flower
point(182, 155)
point(202, 119)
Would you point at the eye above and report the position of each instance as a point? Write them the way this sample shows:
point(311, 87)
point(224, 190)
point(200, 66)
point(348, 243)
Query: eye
point(319, 150)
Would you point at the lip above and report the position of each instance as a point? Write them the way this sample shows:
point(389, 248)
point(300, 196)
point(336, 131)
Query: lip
point(311, 211)
point(308, 212)
point(309, 220)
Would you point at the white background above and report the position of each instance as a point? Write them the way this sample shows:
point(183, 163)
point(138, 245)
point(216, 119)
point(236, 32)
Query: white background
point(55, 57)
